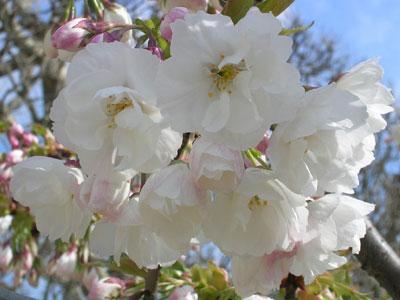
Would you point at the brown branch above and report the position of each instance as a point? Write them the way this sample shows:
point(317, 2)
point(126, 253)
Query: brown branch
point(380, 261)
point(151, 283)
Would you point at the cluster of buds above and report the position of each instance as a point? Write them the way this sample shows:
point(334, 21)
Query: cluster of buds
point(18, 137)
point(73, 35)
point(24, 266)
point(20, 141)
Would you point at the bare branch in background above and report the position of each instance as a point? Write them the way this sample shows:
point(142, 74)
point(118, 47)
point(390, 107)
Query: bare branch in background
point(380, 261)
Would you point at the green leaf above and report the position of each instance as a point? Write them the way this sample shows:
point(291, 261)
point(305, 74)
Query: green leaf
point(199, 275)
point(237, 9)
point(276, 7)
point(22, 225)
point(290, 31)
point(128, 266)
point(4, 126)
point(61, 246)
point(217, 277)
point(39, 129)
point(208, 292)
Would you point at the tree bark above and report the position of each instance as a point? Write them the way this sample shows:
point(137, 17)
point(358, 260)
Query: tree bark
point(151, 284)
point(380, 261)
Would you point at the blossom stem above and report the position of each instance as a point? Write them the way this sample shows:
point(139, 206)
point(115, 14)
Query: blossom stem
point(151, 283)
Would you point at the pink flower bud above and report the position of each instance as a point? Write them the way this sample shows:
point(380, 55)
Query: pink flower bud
point(27, 259)
point(192, 5)
point(29, 139)
point(15, 156)
point(103, 289)
point(14, 142)
point(185, 292)
point(5, 172)
point(16, 129)
point(89, 277)
point(64, 266)
point(6, 256)
point(71, 35)
point(105, 37)
point(176, 13)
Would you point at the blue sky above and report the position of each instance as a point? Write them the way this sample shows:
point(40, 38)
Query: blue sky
point(363, 28)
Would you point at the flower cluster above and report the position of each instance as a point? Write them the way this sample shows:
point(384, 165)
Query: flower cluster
point(270, 165)
point(74, 34)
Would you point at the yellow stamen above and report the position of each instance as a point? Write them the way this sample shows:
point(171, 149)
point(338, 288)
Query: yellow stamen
point(256, 202)
point(223, 77)
point(113, 108)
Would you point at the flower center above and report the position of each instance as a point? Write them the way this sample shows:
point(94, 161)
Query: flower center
point(114, 105)
point(223, 77)
point(256, 202)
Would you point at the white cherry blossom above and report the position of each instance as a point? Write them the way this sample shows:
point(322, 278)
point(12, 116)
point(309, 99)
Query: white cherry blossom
point(129, 235)
point(315, 152)
point(261, 215)
point(107, 109)
point(363, 81)
point(171, 205)
point(228, 82)
point(51, 191)
point(346, 214)
point(215, 166)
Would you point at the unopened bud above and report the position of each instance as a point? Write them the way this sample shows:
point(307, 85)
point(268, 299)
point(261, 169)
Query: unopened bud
point(29, 139)
point(176, 13)
point(15, 156)
point(6, 256)
point(70, 36)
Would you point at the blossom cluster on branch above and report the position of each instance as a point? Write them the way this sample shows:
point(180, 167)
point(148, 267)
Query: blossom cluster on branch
point(206, 133)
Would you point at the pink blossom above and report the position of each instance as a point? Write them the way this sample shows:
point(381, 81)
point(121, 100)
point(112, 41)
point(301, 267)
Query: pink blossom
point(13, 139)
point(15, 156)
point(64, 266)
point(71, 35)
point(16, 129)
point(104, 289)
point(5, 172)
point(185, 292)
point(27, 260)
point(6, 256)
point(29, 139)
point(176, 13)
point(104, 37)
point(89, 277)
